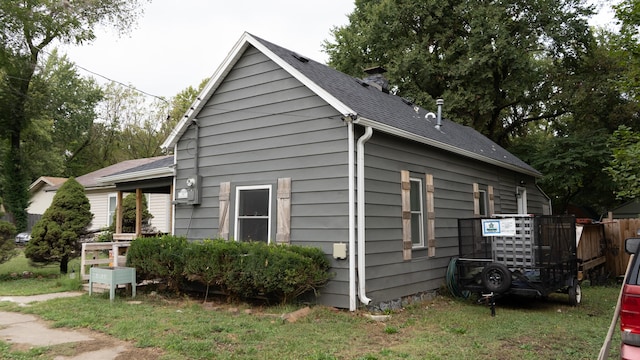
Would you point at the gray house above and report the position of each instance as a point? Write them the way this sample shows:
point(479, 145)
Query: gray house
point(283, 149)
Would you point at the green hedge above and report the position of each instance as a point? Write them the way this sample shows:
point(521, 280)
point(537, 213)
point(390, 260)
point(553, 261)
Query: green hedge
point(159, 258)
point(242, 270)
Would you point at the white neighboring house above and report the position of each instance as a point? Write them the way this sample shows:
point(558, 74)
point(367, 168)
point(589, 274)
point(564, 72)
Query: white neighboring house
point(40, 198)
point(102, 194)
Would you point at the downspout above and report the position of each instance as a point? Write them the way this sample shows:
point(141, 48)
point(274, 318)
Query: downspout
point(196, 160)
point(361, 216)
point(352, 217)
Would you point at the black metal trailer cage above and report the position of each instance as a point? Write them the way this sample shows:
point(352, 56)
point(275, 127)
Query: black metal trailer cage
point(536, 259)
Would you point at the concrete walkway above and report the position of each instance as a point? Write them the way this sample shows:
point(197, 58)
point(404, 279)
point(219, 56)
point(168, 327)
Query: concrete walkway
point(26, 331)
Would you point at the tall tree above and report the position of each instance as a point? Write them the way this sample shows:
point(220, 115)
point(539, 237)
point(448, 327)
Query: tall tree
point(26, 28)
point(628, 14)
point(62, 110)
point(572, 150)
point(494, 63)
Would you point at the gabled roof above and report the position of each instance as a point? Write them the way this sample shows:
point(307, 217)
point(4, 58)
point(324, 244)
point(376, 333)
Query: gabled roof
point(46, 181)
point(365, 104)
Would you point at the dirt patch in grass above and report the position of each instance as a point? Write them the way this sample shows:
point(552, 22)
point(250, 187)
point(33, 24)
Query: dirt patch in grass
point(99, 345)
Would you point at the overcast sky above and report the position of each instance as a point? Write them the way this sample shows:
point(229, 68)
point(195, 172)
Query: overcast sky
point(176, 44)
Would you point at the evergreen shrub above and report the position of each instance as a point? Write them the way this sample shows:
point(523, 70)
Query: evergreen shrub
point(242, 270)
point(160, 257)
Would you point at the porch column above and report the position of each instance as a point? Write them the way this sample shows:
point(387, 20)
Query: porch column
point(119, 213)
point(138, 212)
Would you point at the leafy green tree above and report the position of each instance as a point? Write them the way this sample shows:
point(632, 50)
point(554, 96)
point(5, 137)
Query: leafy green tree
point(7, 244)
point(572, 150)
point(571, 167)
point(628, 14)
point(26, 28)
point(180, 104)
point(62, 104)
point(494, 63)
point(625, 167)
point(56, 236)
point(129, 214)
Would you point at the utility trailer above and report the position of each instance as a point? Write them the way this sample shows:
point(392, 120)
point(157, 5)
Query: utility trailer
point(518, 254)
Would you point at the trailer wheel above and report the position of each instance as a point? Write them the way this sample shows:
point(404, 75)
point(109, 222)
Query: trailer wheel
point(496, 278)
point(575, 294)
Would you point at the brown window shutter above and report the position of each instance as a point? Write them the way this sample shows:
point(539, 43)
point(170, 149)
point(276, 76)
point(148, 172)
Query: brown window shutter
point(492, 204)
point(283, 219)
point(431, 216)
point(407, 245)
point(223, 217)
point(476, 199)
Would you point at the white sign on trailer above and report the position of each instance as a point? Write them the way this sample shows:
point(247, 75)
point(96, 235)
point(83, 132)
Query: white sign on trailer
point(499, 227)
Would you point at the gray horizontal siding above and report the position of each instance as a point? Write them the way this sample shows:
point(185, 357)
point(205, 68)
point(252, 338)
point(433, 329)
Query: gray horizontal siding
point(261, 124)
point(454, 177)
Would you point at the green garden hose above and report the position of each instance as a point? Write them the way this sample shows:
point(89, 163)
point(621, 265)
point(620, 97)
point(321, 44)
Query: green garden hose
point(452, 283)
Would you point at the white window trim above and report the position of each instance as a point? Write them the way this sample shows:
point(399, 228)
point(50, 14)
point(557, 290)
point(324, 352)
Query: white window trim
point(521, 197)
point(237, 208)
point(111, 212)
point(420, 244)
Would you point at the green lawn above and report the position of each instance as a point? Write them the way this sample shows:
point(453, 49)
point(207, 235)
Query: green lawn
point(19, 277)
point(444, 328)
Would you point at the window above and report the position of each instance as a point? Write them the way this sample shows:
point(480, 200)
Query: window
point(417, 211)
point(253, 213)
point(111, 209)
point(482, 205)
point(521, 195)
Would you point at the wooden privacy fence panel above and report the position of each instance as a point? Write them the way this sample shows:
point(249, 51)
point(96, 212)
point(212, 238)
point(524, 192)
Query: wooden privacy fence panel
point(616, 231)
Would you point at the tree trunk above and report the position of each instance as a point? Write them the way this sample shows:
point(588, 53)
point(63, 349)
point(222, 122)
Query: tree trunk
point(64, 265)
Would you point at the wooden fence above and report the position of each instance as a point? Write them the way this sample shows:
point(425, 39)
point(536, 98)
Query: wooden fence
point(32, 219)
point(616, 231)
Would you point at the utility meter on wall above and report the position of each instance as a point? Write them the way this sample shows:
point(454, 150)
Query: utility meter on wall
point(190, 192)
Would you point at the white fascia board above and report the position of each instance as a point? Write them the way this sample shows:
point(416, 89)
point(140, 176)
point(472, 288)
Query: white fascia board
point(138, 175)
point(236, 52)
point(204, 96)
point(444, 146)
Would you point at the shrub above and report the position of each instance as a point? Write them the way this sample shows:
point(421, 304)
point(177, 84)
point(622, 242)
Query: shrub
point(239, 269)
point(209, 261)
point(159, 257)
point(280, 273)
point(7, 243)
point(56, 236)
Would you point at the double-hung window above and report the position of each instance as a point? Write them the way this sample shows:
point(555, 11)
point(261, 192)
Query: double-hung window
point(253, 213)
point(417, 213)
point(111, 209)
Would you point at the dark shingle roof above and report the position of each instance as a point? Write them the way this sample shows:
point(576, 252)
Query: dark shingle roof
point(91, 179)
point(155, 163)
point(395, 112)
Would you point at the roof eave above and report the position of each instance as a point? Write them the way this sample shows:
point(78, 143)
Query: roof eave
point(136, 176)
point(225, 67)
point(450, 148)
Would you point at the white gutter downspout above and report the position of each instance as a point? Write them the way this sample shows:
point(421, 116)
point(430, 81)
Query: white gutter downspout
point(352, 217)
point(361, 216)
